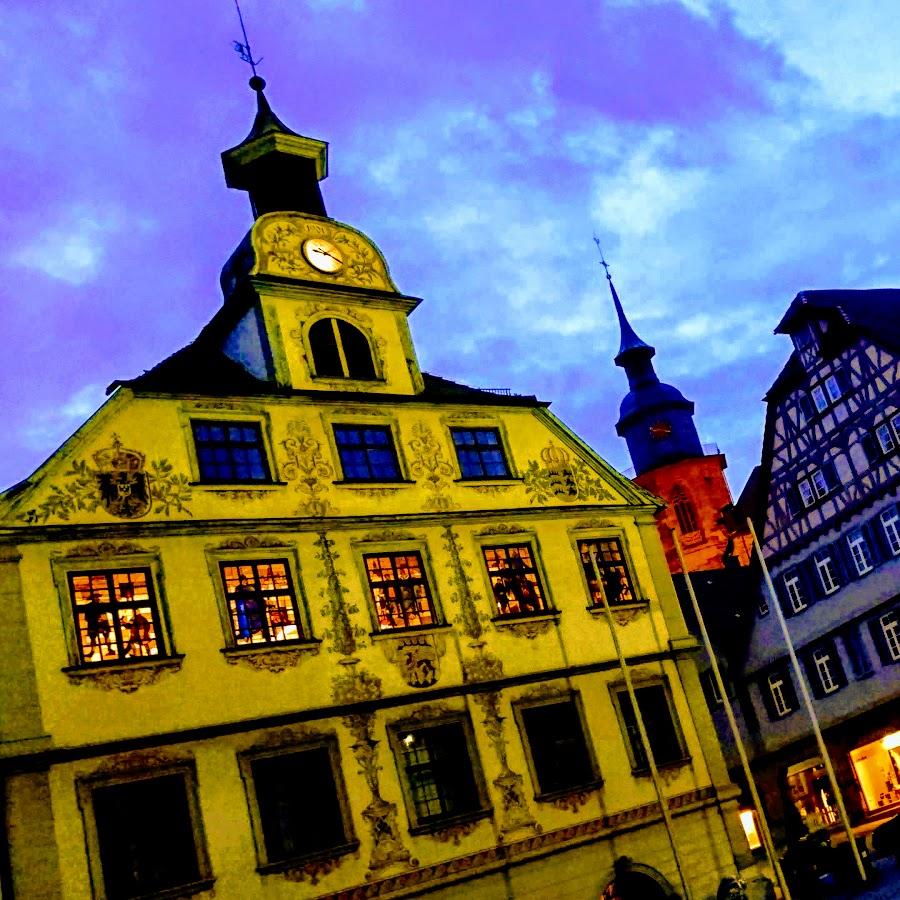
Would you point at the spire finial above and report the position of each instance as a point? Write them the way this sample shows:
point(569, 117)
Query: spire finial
point(630, 340)
point(244, 51)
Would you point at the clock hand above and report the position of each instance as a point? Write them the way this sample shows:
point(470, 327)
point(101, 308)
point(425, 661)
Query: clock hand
point(326, 253)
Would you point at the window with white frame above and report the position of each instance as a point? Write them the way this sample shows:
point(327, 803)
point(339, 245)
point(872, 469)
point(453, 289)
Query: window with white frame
point(814, 487)
point(833, 388)
point(782, 699)
point(885, 436)
point(890, 522)
point(827, 571)
point(806, 492)
point(890, 629)
point(860, 551)
point(819, 398)
point(828, 671)
point(794, 587)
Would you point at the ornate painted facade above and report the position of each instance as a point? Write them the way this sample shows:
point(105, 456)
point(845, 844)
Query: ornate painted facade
point(289, 617)
point(829, 523)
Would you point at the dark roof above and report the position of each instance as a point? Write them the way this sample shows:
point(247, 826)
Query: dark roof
point(200, 369)
point(875, 312)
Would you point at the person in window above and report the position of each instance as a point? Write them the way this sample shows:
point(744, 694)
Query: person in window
point(246, 604)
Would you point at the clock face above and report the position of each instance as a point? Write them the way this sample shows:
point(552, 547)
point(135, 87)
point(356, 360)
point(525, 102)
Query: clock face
point(660, 430)
point(321, 254)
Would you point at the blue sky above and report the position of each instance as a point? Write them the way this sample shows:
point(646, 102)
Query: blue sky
point(728, 154)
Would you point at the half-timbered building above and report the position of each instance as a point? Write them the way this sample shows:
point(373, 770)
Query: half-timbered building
point(830, 530)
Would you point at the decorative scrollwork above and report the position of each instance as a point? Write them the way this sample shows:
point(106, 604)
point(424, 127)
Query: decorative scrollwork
point(559, 477)
point(307, 467)
point(104, 548)
point(126, 679)
point(273, 660)
point(428, 464)
point(342, 634)
point(463, 595)
point(527, 628)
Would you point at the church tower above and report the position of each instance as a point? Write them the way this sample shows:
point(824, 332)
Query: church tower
point(657, 422)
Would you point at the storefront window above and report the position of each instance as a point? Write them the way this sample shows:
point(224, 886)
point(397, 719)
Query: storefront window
point(811, 794)
point(877, 769)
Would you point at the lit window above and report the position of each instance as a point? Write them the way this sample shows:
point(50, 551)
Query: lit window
point(782, 700)
point(367, 453)
point(438, 773)
point(860, 551)
point(885, 437)
point(890, 522)
point(827, 572)
point(827, 669)
point(556, 742)
point(145, 832)
point(340, 350)
point(514, 580)
point(286, 787)
point(116, 616)
point(615, 580)
point(479, 452)
point(230, 452)
point(399, 590)
point(262, 605)
point(662, 732)
point(748, 823)
point(794, 588)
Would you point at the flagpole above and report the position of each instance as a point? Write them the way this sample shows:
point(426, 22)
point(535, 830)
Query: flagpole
point(810, 709)
point(642, 731)
point(732, 721)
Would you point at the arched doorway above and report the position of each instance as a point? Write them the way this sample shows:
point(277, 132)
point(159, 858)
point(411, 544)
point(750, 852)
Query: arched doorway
point(635, 881)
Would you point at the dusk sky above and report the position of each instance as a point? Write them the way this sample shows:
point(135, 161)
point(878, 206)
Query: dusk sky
point(728, 155)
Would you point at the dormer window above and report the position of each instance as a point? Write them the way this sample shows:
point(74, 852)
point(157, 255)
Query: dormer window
point(340, 350)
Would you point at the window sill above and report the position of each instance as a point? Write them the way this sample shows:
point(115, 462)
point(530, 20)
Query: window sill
point(183, 890)
point(481, 480)
point(528, 625)
point(275, 657)
point(671, 767)
point(318, 863)
point(387, 634)
point(373, 482)
point(238, 485)
point(449, 823)
point(537, 616)
point(124, 676)
point(599, 610)
point(565, 793)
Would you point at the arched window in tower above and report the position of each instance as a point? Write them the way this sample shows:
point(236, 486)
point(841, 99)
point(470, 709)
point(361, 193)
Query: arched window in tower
point(340, 350)
point(684, 511)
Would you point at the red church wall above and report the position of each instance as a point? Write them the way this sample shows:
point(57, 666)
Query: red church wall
point(696, 491)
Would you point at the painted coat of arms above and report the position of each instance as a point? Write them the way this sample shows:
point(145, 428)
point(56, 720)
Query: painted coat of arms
point(124, 485)
point(418, 659)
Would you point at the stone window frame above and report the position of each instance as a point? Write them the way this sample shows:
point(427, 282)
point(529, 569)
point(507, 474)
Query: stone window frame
point(270, 553)
point(362, 547)
point(618, 689)
point(64, 566)
point(508, 538)
point(240, 416)
point(605, 533)
point(365, 419)
point(476, 420)
point(327, 741)
point(334, 381)
point(571, 697)
point(462, 719)
point(84, 787)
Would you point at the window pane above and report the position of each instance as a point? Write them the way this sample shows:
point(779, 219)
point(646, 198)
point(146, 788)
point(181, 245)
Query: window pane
point(514, 579)
point(261, 602)
point(367, 454)
point(399, 590)
point(299, 809)
point(146, 836)
point(558, 747)
point(356, 352)
point(614, 576)
point(479, 452)
point(661, 730)
point(322, 342)
point(230, 452)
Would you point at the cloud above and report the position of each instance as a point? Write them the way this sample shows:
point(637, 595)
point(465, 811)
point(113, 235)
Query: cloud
point(71, 251)
point(51, 426)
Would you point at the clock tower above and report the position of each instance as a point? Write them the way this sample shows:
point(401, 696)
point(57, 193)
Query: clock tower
point(657, 422)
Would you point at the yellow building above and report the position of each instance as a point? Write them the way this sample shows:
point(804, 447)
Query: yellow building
point(288, 617)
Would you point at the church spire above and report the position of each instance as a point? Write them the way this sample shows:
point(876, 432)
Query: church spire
point(655, 419)
point(277, 167)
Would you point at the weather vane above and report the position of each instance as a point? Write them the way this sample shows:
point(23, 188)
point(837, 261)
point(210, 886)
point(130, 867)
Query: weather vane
point(599, 250)
point(244, 49)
